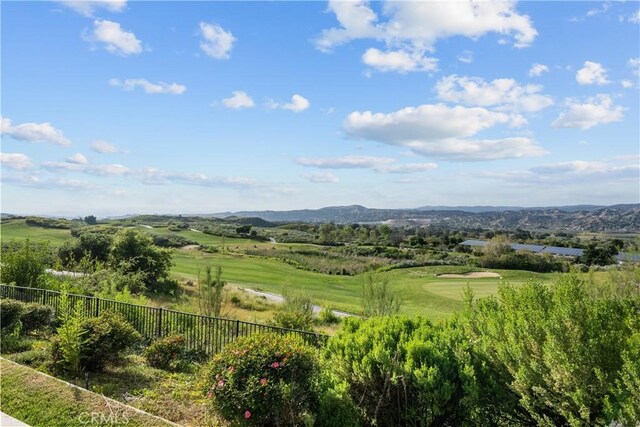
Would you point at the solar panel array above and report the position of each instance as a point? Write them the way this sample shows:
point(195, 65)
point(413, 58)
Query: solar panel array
point(627, 257)
point(528, 248)
point(556, 250)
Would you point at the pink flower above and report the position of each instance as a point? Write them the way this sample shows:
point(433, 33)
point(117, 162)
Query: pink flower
point(221, 383)
point(209, 395)
point(275, 364)
point(247, 414)
point(231, 369)
point(263, 381)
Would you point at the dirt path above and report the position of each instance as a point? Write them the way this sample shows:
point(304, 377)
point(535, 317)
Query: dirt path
point(280, 299)
point(474, 275)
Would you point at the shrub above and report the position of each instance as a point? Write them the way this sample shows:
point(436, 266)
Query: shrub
point(295, 313)
point(10, 312)
point(24, 263)
point(378, 299)
point(328, 317)
point(265, 379)
point(66, 348)
point(404, 371)
point(166, 353)
point(103, 339)
point(36, 317)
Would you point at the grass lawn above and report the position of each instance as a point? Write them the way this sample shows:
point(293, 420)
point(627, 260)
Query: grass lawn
point(18, 229)
point(43, 401)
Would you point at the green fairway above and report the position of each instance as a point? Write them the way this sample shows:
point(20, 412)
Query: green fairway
point(421, 291)
point(18, 229)
point(419, 288)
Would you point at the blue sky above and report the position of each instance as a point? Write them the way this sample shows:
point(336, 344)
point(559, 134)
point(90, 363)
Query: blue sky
point(115, 107)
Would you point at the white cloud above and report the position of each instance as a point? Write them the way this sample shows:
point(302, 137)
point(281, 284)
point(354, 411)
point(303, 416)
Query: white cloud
point(104, 147)
point(400, 60)
point(153, 176)
point(466, 56)
point(597, 110)
point(89, 7)
point(116, 39)
point(148, 87)
point(346, 162)
point(407, 168)
point(634, 18)
point(419, 25)
point(16, 161)
point(634, 63)
point(503, 93)
point(77, 159)
point(298, 104)
point(378, 164)
point(592, 74)
point(321, 177)
point(627, 84)
point(106, 170)
point(55, 167)
point(537, 70)
point(33, 132)
point(217, 42)
point(238, 100)
point(440, 131)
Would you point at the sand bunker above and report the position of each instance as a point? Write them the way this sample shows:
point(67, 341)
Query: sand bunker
point(474, 275)
point(190, 247)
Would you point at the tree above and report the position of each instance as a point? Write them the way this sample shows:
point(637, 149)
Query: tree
point(90, 220)
point(134, 252)
point(596, 254)
point(378, 299)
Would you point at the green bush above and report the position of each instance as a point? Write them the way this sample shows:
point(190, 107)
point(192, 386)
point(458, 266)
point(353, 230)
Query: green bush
point(36, 317)
point(166, 353)
point(328, 317)
point(403, 371)
point(295, 313)
point(105, 339)
point(10, 313)
point(265, 379)
point(24, 263)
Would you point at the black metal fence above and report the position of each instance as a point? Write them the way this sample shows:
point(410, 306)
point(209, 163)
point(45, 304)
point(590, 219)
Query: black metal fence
point(209, 334)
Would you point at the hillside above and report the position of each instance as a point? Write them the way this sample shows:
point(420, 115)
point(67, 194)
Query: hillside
point(616, 218)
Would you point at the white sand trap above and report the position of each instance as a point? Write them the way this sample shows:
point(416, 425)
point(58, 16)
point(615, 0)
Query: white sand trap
point(474, 275)
point(190, 247)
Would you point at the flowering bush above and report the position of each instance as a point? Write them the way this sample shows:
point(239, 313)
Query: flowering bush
point(265, 379)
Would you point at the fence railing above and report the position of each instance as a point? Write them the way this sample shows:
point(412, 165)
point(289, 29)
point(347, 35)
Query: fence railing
point(205, 333)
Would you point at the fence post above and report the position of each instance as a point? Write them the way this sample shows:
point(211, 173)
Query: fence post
point(97, 306)
point(44, 296)
point(237, 328)
point(160, 323)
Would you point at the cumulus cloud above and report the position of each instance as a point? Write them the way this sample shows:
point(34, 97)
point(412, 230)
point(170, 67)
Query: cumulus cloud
point(238, 100)
point(148, 87)
point(77, 159)
point(412, 28)
point(322, 177)
point(627, 84)
point(592, 74)
point(634, 18)
point(16, 161)
point(104, 147)
point(378, 164)
point(216, 42)
point(298, 104)
point(502, 93)
point(88, 8)
point(441, 131)
point(33, 132)
point(597, 110)
point(421, 24)
point(399, 60)
point(536, 70)
point(107, 170)
point(115, 39)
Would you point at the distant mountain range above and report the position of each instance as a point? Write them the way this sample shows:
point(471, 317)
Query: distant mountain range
point(621, 218)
